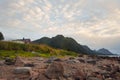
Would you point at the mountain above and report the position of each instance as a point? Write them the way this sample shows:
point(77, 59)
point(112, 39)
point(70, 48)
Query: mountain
point(65, 43)
point(1, 36)
point(104, 51)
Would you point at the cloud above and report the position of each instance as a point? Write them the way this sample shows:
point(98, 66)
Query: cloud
point(95, 23)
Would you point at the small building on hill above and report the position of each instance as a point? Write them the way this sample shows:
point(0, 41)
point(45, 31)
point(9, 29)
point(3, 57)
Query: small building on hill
point(22, 41)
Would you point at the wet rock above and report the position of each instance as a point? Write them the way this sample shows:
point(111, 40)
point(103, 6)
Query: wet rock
point(82, 60)
point(93, 78)
point(116, 75)
point(58, 60)
point(9, 61)
point(71, 58)
point(72, 61)
point(50, 60)
point(105, 75)
point(115, 69)
point(91, 62)
point(80, 55)
point(41, 77)
point(108, 68)
point(29, 65)
point(22, 70)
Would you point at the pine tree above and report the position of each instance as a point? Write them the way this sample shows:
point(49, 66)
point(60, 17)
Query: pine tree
point(1, 36)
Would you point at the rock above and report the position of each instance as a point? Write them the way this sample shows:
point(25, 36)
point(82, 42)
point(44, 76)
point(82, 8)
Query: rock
point(1, 63)
point(41, 77)
point(105, 74)
point(58, 60)
point(54, 71)
point(82, 60)
point(115, 69)
point(22, 70)
point(116, 75)
point(71, 58)
point(72, 61)
point(50, 60)
point(3, 79)
point(108, 68)
point(93, 78)
point(40, 59)
point(29, 65)
point(19, 61)
point(109, 79)
point(80, 55)
point(9, 61)
point(91, 62)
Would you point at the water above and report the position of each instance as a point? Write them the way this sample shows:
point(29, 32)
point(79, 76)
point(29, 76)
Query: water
point(115, 55)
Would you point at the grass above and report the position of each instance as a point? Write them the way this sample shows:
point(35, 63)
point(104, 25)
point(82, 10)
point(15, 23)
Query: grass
point(13, 54)
point(9, 49)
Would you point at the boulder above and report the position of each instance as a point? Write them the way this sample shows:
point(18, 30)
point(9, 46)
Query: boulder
point(91, 62)
point(29, 65)
point(22, 70)
point(1, 63)
point(82, 60)
point(19, 61)
point(93, 78)
point(50, 60)
point(9, 61)
point(54, 71)
point(72, 61)
point(62, 70)
point(58, 60)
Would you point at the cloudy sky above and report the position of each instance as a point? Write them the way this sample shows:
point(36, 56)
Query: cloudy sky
point(95, 23)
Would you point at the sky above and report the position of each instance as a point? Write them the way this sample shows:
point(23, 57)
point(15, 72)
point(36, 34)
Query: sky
point(95, 23)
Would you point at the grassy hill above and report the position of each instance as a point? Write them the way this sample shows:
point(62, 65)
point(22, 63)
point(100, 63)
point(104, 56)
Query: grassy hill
point(11, 49)
point(65, 43)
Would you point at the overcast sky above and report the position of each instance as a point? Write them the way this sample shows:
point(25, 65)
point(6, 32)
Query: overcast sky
point(95, 23)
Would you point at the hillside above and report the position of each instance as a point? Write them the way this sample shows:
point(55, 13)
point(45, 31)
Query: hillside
point(65, 43)
point(104, 51)
point(10, 49)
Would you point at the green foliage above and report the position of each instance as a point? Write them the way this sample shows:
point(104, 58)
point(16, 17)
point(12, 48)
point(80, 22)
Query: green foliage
point(65, 43)
point(30, 50)
point(1, 36)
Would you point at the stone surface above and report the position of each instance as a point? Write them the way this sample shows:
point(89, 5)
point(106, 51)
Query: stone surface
point(9, 61)
point(54, 71)
point(22, 70)
point(19, 61)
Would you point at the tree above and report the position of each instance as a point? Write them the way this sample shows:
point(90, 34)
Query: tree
point(1, 36)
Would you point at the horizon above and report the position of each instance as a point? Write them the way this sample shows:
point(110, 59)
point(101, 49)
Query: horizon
point(93, 23)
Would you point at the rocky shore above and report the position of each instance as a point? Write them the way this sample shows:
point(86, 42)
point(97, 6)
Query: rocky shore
point(83, 67)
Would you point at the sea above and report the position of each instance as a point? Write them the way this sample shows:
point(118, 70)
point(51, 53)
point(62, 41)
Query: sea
point(114, 55)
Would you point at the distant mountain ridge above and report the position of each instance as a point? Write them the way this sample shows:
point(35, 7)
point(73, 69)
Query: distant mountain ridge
point(104, 51)
point(66, 43)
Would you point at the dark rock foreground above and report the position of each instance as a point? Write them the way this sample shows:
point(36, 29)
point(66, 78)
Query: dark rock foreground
point(78, 68)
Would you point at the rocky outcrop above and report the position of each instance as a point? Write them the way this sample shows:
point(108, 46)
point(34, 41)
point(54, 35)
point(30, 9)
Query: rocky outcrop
point(70, 68)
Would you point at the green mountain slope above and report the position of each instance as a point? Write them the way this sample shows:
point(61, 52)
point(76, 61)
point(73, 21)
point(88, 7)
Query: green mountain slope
point(12, 49)
point(65, 43)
